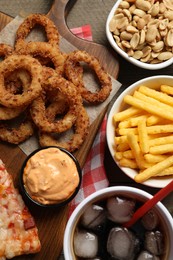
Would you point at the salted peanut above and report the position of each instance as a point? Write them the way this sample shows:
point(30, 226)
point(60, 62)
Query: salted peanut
point(154, 10)
point(135, 41)
point(142, 37)
point(170, 25)
point(137, 55)
point(146, 58)
point(158, 46)
point(169, 14)
point(141, 23)
point(131, 29)
point(122, 23)
point(155, 61)
point(151, 33)
point(146, 51)
point(116, 32)
point(165, 55)
point(127, 13)
point(126, 44)
point(163, 33)
point(162, 8)
point(168, 4)
point(154, 54)
point(143, 5)
point(124, 5)
point(169, 38)
point(130, 52)
point(163, 24)
point(112, 25)
point(147, 18)
point(126, 36)
point(132, 8)
point(139, 12)
point(117, 39)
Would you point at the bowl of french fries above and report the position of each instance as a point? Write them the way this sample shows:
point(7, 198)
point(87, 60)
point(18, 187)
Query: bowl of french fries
point(140, 131)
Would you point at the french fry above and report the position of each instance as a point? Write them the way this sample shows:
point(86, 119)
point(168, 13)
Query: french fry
point(154, 170)
point(120, 139)
point(143, 136)
point(156, 95)
point(166, 89)
point(134, 120)
point(118, 155)
point(123, 147)
point(128, 154)
point(125, 114)
point(161, 140)
point(136, 151)
point(150, 108)
point(160, 129)
point(124, 124)
point(154, 158)
point(125, 131)
point(152, 101)
point(124, 162)
point(161, 149)
point(166, 172)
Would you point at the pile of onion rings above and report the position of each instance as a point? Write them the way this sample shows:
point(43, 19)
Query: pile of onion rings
point(42, 91)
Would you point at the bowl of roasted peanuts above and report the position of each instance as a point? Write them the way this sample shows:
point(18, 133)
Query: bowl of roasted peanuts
point(141, 31)
point(140, 131)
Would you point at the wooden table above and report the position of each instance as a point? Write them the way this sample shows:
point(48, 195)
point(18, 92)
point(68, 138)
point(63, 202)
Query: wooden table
point(127, 74)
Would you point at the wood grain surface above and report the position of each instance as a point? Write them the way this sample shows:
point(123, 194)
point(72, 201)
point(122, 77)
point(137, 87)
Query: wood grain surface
point(51, 223)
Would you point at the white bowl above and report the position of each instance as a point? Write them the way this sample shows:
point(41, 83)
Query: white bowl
point(153, 82)
point(124, 54)
point(131, 192)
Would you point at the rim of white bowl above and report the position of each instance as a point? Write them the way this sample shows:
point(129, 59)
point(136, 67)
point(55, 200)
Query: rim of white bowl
point(110, 135)
point(124, 54)
point(106, 191)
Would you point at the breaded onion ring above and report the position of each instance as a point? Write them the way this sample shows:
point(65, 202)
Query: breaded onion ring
point(48, 52)
point(105, 80)
point(5, 50)
point(29, 23)
point(38, 109)
point(34, 68)
point(16, 135)
point(17, 80)
point(81, 128)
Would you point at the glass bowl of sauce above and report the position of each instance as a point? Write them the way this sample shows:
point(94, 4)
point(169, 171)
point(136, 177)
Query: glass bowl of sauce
point(50, 177)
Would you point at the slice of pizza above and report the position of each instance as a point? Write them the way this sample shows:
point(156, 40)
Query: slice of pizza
point(18, 232)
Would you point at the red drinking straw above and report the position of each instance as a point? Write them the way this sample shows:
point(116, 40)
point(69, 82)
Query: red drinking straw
point(161, 194)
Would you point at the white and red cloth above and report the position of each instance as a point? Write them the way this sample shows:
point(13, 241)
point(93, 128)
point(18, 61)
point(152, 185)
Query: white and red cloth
point(93, 173)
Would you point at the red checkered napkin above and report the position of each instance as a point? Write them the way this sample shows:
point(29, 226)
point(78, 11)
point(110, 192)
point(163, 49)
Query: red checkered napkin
point(83, 32)
point(93, 173)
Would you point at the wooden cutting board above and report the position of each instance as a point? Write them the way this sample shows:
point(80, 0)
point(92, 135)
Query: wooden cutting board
point(51, 223)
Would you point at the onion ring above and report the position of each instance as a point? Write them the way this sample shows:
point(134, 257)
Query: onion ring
point(29, 23)
point(44, 51)
point(38, 109)
point(81, 129)
point(31, 65)
point(16, 135)
point(105, 80)
point(17, 80)
point(5, 50)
